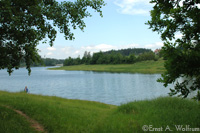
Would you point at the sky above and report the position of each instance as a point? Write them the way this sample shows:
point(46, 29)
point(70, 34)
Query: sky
point(122, 26)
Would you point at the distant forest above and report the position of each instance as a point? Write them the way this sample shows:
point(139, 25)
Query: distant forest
point(45, 62)
point(123, 56)
point(129, 51)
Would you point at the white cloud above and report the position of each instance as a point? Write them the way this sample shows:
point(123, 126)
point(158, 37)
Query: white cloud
point(137, 7)
point(49, 53)
point(74, 52)
point(77, 52)
point(154, 45)
point(96, 48)
point(129, 46)
point(71, 51)
point(133, 7)
point(51, 48)
point(67, 49)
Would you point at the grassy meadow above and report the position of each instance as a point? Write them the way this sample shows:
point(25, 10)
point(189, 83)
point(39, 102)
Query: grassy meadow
point(65, 115)
point(145, 67)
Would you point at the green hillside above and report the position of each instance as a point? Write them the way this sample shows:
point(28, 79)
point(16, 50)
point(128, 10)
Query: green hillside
point(139, 67)
point(63, 115)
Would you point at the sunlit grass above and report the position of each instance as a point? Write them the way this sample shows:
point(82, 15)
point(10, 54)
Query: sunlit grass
point(11, 122)
point(64, 115)
point(149, 67)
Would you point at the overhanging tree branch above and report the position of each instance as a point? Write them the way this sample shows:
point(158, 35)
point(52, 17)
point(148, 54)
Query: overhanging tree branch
point(24, 23)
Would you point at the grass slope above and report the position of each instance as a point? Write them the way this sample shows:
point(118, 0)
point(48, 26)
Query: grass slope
point(64, 115)
point(11, 122)
point(139, 67)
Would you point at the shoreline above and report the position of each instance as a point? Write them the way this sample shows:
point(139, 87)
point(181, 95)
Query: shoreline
point(144, 67)
point(65, 115)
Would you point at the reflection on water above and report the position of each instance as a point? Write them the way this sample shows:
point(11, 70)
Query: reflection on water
point(111, 88)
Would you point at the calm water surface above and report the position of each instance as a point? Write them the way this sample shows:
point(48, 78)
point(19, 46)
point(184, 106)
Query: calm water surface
point(110, 88)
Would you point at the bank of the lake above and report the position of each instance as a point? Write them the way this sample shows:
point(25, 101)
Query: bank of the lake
point(64, 115)
point(145, 67)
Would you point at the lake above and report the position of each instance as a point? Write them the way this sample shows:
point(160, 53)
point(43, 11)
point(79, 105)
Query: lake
point(110, 88)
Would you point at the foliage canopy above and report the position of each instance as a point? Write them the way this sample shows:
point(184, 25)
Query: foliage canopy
point(123, 56)
point(23, 24)
point(169, 18)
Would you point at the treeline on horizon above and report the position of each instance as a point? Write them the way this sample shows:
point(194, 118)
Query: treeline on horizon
point(123, 56)
point(45, 62)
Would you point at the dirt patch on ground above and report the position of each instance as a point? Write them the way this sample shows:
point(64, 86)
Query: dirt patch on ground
point(34, 124)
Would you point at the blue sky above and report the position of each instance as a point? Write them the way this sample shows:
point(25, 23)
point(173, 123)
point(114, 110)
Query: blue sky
point(122, 26)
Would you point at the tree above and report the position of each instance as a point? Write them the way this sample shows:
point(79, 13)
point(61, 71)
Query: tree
point(86, 58)
point(68, 62)
point(131, 59)
point(96, 57)
point(24, 23)
point(168, 18)
point(147, 56)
